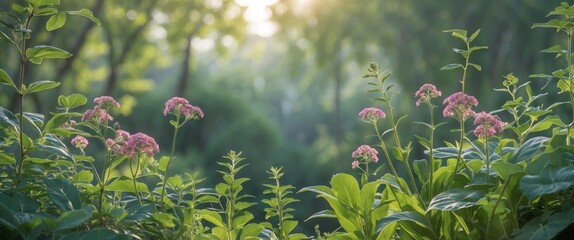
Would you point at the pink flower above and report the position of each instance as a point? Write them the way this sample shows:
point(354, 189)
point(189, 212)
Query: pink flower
point(366, 153)
point(106, 101)
point(426, 93)
point(80, 142)
point(488, 125)
point(178, 105)
point(97, 114)
point(371, 114)
point(140, 143)
point(459, 106)
point(355, 164)
point(119, 144)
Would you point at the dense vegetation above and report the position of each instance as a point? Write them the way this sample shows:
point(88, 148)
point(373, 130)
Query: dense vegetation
point(92, 170)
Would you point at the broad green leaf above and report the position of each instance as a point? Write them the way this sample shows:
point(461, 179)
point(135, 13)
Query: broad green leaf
point(551, 180)
point(250, 231)
point(212, 217)
point(323, 191)
point(530, 148)
point(72, 101)
point(41, 86)
point(56, 21)
point(165, 219)
point(547, 123)
point(63, 194)
point(367, 195)
point(8, 217)
point(241, 219)
point(6, 79)
point(74, 218)
point(346, 189)
point(85, 13)
point(84, 176)
point(138, 213)
point(40, 3)
point(542, 228)
point(506, 169)
point(455, 199)
point(476, 66)
point(414, 217)
point(96, 234)
point(37, 53)
point(56, 121)
point(163, 163)
point(7, 159)
point(8, 118)
point(127, 185)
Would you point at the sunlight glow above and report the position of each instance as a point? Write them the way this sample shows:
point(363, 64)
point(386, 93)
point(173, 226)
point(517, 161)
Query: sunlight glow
point(258, 16)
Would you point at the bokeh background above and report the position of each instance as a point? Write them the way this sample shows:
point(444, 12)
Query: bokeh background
point(280, 80)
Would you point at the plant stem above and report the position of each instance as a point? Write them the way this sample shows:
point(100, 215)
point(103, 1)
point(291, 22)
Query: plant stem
point(398, 141)
point(496, 205)
point(168, 163)
point(431, 153)
point(387, 156)
point(464, 70)
point(23, 60)
point(569, 61)
point(134, 175)
point(459, 156)
point(487, 160)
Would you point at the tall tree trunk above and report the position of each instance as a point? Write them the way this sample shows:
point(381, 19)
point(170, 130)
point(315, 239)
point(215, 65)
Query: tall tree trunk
point(337, 126)
point(115, 64)
point(184, 75)
point(77, 47)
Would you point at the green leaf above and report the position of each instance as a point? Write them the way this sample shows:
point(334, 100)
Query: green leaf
point(346, 189)
point(85, 13)
point(56, 121)
point(367, 195)
point(547, 123)
point(241, 219)
point(476, 66)
point(40, 3)
point(95, 234)
point(164, 219)
point(455, 199)
point(41, 86)
point(451, 66)
point(163, 163)
point(63, 194)
point(506, 169)
point(56, 21)
point(8, 118)
point(84, 176)
point(251, 231)
point(546, 227)
point(72, 101)
point(458, 33)
point(414, 217)
point(138, 213)
point(6, 79)
point(323, 214)
point(37, 53)
point(528, 150)
point(474, 35)
point(5, 37)
point(74, 218)
point(550, 180)
point(212, 217)
point(7, 159)
point(127, 185)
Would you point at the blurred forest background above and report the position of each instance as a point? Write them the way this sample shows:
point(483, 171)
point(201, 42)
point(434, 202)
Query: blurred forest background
point(280, 80)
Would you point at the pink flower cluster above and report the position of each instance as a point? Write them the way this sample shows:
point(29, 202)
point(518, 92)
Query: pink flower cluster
point(132, 145)
point(459, 105)
point(106, 101)
point(178, 105)
point(80, 142)
point(99, 113)
point(426, 93)
point(366, 153)
point(488, 125)
point(371, 114)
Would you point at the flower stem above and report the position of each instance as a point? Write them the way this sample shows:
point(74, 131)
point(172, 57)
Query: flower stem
point(459, 155)
point(431, 153)
point(134, 175)
point(387, 156)
point(168, 163)
point(487, 161)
